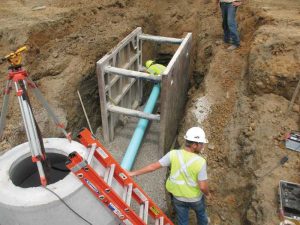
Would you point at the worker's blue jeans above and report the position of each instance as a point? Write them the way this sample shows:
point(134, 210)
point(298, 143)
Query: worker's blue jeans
point(229, 23)
point(182, 211)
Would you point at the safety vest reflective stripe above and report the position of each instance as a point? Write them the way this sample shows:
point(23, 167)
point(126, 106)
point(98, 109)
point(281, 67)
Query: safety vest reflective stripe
point(183, 170)
point(183, 178)
point(151, 71)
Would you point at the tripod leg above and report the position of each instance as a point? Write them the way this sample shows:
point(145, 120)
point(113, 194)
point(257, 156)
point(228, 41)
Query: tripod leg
point(43, 101)
point(4, 107)
point(38, 156)
point(45, 163)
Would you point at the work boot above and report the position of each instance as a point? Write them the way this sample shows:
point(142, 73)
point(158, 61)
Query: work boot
point(232, 47)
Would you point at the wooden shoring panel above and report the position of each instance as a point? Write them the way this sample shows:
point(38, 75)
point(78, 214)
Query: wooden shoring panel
point(115, 89)
point(174, 90)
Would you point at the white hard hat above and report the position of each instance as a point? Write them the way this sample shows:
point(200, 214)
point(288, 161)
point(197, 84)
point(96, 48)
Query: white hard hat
point(196, 134)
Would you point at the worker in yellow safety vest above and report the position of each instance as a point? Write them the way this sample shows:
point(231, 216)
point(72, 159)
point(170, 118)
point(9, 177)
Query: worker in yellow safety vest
point(188, 177)
point(154, 68)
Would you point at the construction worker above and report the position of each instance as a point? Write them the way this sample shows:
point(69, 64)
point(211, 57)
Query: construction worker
point(154, 68)
point(230, 27)
point(187, 182)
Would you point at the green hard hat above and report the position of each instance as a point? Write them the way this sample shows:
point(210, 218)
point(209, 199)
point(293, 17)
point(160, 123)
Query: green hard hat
point(149, 63)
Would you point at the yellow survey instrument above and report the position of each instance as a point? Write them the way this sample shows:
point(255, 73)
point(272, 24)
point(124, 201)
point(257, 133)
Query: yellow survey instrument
point(15, 58)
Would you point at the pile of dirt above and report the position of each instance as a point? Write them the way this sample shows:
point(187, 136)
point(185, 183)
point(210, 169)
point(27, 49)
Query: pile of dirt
point(240, 97)
point(247, 122)
point(66, 38)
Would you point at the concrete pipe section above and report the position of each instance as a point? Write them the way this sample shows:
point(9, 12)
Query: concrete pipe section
point(24, 202)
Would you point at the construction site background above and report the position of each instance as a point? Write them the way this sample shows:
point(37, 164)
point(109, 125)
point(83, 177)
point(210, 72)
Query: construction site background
point(240, 98)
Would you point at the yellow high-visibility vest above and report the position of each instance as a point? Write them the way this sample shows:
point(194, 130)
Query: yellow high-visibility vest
point(183, 179)
point(156, 69)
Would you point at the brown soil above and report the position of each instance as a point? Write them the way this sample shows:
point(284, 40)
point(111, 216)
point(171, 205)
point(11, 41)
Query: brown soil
point(241, 102)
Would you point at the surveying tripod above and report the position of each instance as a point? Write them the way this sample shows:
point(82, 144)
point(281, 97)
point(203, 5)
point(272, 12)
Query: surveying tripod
point(20, 78)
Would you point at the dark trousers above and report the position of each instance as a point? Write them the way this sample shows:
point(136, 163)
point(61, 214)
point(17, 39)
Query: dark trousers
point(229, 23)
point(182, 211)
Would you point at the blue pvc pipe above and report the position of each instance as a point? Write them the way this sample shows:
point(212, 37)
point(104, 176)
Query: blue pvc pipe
point(139, 132)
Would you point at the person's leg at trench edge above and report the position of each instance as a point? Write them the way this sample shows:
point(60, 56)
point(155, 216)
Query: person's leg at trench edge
point(224, 10)
point(199, 208)
point(232, 25)
point(182, 212)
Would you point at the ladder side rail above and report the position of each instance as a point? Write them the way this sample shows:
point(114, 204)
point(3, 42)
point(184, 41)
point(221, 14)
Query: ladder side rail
point(99, 188)
point(104, 157)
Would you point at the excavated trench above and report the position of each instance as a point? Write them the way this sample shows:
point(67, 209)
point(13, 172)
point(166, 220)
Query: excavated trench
point(204, 51)
point(203, 56)
point(62, 60)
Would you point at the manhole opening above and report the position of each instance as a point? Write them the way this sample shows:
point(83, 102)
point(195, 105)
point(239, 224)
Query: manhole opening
point(25, 173)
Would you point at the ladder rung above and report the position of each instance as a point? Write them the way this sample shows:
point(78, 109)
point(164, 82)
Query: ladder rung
point(91, 153)
point(141, 213)
point(127, 222)
point(161, 220)
point(140, 194)
point(111, 173)
point(125, 193)
point(106, 173)
point(128, 194)
point(157, 221)
point(146, 209)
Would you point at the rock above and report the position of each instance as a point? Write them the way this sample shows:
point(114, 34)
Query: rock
point(252, 125)
point(55, 54)
point(296, 108)
point(260, 84)
point(273, 80)
point(227, 94)
point(218, 42)
point(36, 8)
point(211, 146)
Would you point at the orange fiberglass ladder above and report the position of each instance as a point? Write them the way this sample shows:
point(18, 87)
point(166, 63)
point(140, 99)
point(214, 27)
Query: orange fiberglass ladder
point(101, 186)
